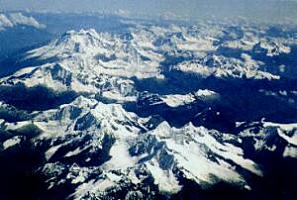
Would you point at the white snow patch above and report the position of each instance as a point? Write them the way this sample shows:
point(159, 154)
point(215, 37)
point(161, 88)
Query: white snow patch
point(176, 100)
point(165, 180)
point(11, 142)
point(290, 151)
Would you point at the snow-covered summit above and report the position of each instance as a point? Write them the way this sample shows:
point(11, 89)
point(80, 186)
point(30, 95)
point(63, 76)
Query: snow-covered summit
point(169, 155)
point(176, 100)
point(112, 139)
point(91, 62)
point(101, 53)
point(271, 48)
point(86, 59)
point(86, 42)
point(222, 67)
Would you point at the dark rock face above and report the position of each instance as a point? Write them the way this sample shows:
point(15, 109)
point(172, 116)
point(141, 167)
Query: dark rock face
point(35, 98)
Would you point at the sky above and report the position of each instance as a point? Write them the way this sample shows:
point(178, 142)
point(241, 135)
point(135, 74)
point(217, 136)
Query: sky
point(258, 8)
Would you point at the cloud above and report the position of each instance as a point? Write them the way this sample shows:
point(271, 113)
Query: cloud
point(15, 19)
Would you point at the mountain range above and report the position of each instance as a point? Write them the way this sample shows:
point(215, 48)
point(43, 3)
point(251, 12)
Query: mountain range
point(154, 112)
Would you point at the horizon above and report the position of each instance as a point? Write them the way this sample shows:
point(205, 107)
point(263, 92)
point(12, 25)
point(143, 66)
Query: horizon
point(268, 10)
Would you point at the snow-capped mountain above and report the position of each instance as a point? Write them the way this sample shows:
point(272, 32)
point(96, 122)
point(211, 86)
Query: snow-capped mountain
point(119, 144)
point(103, 149)
point(91, 62)
point(153, 112)
point(80, 60)
point(272, 137)
point(220, 66)
point(175, 100)
point(100, 53)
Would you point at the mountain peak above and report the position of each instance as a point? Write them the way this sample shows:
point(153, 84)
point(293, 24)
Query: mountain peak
point(83, 35)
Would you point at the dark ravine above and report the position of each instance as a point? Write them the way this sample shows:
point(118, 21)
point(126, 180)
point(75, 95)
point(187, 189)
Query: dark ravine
point(34, 98)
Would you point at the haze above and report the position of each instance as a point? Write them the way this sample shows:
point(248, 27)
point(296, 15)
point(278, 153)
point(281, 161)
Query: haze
point(253, 9)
